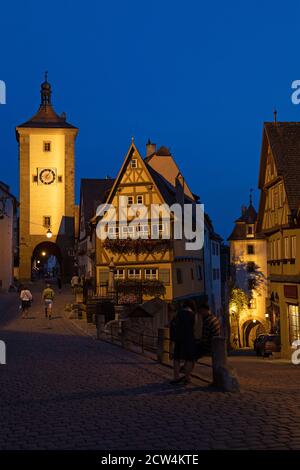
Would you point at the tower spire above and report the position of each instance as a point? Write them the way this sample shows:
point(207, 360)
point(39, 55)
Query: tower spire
point(45, 91)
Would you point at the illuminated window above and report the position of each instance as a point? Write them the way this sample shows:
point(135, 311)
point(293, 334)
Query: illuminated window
point(142, 229)
point(120, 274)
point(294, 321)
point(47, 146)
point(151, 273)
point(128, 230)
point(252, 303)
point(294, 242)
point(158, 229)
point(134, 163)
point(286, 248)
point(134, 273)
point(113, 232)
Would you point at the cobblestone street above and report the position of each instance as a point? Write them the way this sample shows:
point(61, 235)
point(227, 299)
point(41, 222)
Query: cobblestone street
point(61, 389)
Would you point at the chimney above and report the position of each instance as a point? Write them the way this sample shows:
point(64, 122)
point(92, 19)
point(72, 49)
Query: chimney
point(150, 148)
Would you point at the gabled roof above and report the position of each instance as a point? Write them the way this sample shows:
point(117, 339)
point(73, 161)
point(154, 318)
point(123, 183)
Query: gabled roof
point(131, 151)
point(92, 193)
point(284, 141)
point(249, 216)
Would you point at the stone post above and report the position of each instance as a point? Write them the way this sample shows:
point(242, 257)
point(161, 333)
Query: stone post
point(224, 378)
point(100, 323)
point(163, 345)
point(125, 335)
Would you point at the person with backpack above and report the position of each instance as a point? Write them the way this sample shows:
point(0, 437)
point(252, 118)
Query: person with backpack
point(182, 334)
point(26, 299)
point(48, 297)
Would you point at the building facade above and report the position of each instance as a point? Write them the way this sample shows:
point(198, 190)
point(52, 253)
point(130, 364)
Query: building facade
point(47, 198)
point(212, 267)
point(248, 258)
point(146, 267)
point(8, 212)
point(279, 221)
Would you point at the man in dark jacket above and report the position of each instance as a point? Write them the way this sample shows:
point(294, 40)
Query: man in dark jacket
point(182, 333)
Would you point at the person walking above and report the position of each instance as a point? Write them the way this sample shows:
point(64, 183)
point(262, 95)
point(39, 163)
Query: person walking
point(26, 299)
point(48, 297)
point(75, 283)
point(182, 334)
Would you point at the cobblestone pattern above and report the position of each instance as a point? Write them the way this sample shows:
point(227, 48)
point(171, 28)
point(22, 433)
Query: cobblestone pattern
point(61, 389)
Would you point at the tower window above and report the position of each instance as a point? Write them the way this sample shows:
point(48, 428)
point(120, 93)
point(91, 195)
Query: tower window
point(47, 146)
point(47, 221)
point(59, 179)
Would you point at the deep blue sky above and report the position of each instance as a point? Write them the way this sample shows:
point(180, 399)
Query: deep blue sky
point(199, 77)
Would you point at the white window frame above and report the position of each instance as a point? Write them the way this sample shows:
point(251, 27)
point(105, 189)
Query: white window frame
point(286, 248)
point(118, 275)
point(136, 274)
point(152, 274)
point(137, 199)
point(113, 231)
point(161, 228)
point(128, 229)
point(132, 200)
point(293, 246)
point(143, 229)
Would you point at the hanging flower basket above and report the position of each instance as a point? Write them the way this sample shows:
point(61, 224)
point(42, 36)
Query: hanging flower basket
point(129, 246)
point(151, 287)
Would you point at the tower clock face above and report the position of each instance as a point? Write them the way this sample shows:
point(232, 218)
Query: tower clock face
point(47, 175)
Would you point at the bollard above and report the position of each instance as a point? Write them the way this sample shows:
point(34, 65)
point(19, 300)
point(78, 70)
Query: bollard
point(163, 345)
point(224, 378)
point(100, 322)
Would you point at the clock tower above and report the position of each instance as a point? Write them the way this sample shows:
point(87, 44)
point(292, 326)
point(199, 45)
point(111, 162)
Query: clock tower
point(47, 195)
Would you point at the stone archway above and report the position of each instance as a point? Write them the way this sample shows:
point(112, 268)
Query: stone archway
point(250, 330)
point(46, 261)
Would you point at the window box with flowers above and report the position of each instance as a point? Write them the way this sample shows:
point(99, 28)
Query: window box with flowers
point(139, 246)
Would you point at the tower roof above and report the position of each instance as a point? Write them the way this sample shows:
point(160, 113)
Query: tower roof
point(46, 117)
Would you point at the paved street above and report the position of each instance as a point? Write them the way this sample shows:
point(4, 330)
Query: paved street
point(62, 389)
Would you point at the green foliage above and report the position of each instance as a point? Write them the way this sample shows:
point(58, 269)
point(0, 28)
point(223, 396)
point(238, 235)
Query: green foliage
point(130, 246)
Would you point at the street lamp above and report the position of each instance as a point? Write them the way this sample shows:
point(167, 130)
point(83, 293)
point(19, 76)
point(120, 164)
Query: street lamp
point(43, 253)
point(49, 233)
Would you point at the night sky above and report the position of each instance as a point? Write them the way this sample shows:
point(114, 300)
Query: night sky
point(198, 77)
